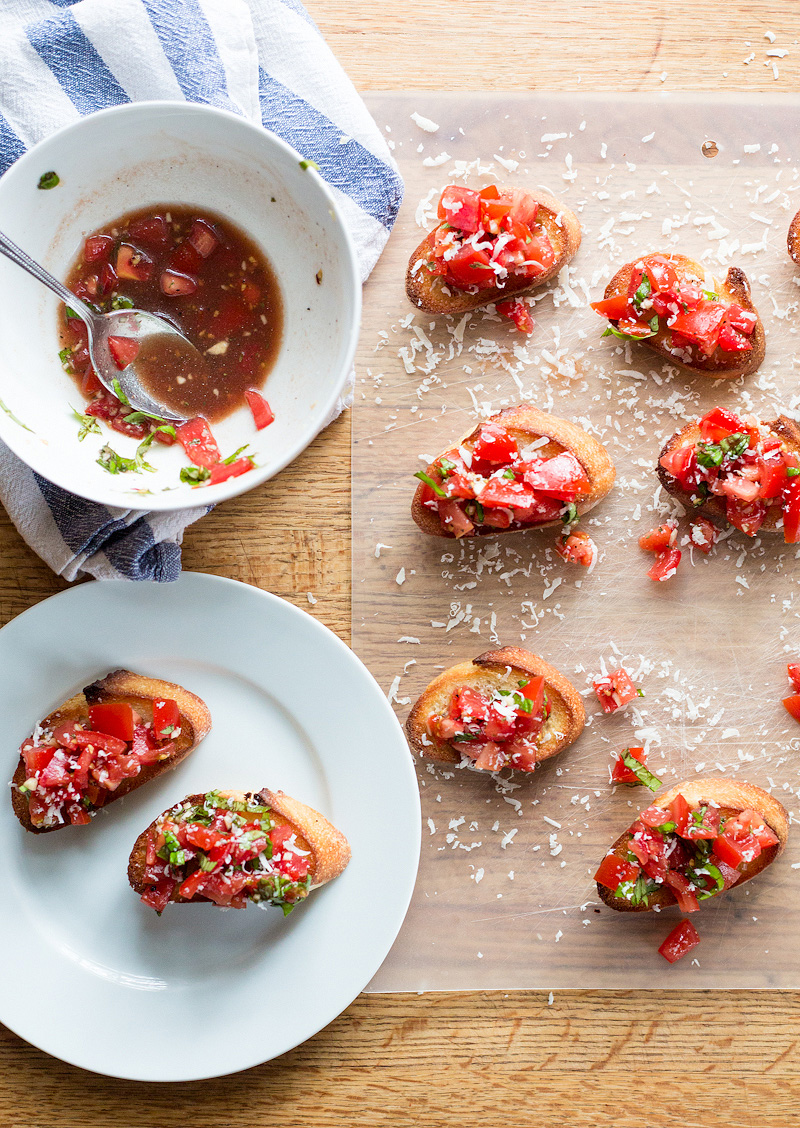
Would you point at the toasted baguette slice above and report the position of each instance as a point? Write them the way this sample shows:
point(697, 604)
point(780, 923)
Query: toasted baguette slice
point(139, 691)
point(498, 669)
point(793, 239)
point(430, 292)
point(328, 847)
point(526, 424)
point(719, 365)
point(787, 430)
point(732, 798)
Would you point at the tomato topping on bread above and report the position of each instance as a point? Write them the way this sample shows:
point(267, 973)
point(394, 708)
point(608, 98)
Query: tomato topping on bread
point(740, 469)
point(666, 302)
point(506, 708)
point(519, 469)
point(491, 245)
point(118, 734)
point(229, 848)
point(694, 842)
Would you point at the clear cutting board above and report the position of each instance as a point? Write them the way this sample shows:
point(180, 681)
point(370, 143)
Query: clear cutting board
point(505, 897)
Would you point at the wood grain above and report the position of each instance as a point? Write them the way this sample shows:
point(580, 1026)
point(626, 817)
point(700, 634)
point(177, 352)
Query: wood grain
point(628, 1060)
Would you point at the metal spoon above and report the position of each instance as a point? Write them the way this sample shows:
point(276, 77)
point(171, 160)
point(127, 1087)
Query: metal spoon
point(134, 324)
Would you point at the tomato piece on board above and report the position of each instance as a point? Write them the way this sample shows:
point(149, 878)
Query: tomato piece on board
point(793, 670)
point(494, 445)
point(166, 717)
point(262, 412)
point(176, 285)
point(123, 350)
point(133, 264)
point(97, 248)
point(666, 564)
point(517, 312)
point(660, 538)
point(613, 871)
point(681, 940)
point(792, 705)
point(221, 471)
point(461, 208)
point(196, 439)
point(113, 718)
point(614, 690)
point(576, 548)
point(622, 773)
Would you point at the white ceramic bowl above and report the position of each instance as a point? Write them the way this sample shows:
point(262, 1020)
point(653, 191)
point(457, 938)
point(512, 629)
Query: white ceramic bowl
point(165, 152)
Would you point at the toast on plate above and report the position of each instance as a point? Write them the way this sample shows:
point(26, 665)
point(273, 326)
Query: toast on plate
point(491, 245)
point(670, 304)
point(696, 841)
point(506, 708)
point(520, 469)
point(118, 734)
point(738, 470)
point(231, 847)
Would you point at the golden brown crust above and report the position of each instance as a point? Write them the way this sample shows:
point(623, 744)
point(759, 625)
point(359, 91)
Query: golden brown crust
point(732, 797)
point(428, 293)
point(330, 850)
point(139, 691)
point(793, 239)
point(527, 424)
point(489, 670)
point(736, 288)
point(786, 429)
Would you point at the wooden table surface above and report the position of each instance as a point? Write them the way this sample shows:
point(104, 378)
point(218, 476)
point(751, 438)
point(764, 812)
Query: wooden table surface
point(643, 1059)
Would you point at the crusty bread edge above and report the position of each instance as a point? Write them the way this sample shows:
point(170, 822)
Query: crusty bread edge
point(793, 239)
point(735, 287)
point(592, 455)
point(725, 793)
point(425, 292)
point(329, 847)
point(519, 660)
point(115, 685)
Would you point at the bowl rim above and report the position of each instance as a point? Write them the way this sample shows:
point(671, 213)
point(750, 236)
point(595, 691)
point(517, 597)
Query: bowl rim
point(233, 487)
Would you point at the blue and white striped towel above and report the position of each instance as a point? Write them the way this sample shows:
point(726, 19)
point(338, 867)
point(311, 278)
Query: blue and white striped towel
point(264, 59)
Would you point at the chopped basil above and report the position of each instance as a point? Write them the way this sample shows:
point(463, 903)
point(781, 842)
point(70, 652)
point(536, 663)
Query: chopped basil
point(119, 301)
point(48, 180)
point(710, 295)
point(309, 164)
point(65, 356)
point(640, 771)
point(88, 425)
point(117, 464)
point(118, 392)
point(654, 323)
point(612, 332)
point(522, 682)
point(792, 471)
point(206, 864)
point(639, 691)
point(712, 871)
point(570, 514)
point(446, 467)
point(644, 291)
point(194, 475)
point(479, 512)
point(667, 827)
point(232, 457)
point(426, 478)
point(509, 474)
point(464, 738)
point(71, 314)
point(732, 446)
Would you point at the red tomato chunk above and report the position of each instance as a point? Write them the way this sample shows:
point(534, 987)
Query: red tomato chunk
point(682, 939)
point(615, 690)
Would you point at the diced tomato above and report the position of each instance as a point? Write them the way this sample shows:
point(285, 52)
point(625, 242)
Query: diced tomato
point(731, 340)
point(682, 889)
point(703, 534)
point(534, 691)
point(221, 472)
point(622, 773)
point(184, 259)
point(748, 517)
point(196, 439)
point(561, 476)
point(90, 382)
point(152, 231)
point(157, 897)
point(176, 285)
point(497, 518)
point(517, 312)
point(708, 827)
point(494, 445)
point(654, 816)
point(193, 884)
point(771, 477)
point(113, 718)
point(231, 317)
point(614, 690)
point(166, 716)
point(454, 519)
point(202, 837)
point(793, 670)
point(681, 940)
point(749, 822)
point(741, 319)
point(613, 871)
point(461, 208)
point(470, 267)
point(133, 264)
point(36, 758)
point(495, 208)
point(661, 273)
point(576, 548)
point(682, 465)
point(78, 816)
point(666, 564)
point(731, 852)
point(57, 773)
point(251, 294)
point(114, 745)
point(612, 308)
point(203, 238)
point(123, 350)
point(701, 325)
point(262, 412)
point(660, 538)
point(65, 733)
point(107, 279)
point(679, 810)
point(791, 513)
point(504, 493)
point(730, 875)
point(80, 777)
point(97, 248)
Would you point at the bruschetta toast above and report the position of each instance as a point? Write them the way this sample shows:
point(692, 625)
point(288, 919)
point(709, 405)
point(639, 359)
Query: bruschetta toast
point(520, 469)
point(231, 847)
point(669, 303)
point(116, 735)
point(490, 246)
point(506, 708)
point(793, 239)
point(742, 471)
point(695, 841)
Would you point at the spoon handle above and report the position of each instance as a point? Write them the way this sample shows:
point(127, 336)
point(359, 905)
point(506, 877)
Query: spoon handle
point(18, 256)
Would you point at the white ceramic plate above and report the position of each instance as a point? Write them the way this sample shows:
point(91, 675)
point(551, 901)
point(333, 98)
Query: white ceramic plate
point(90, 974)
point(160, 153)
